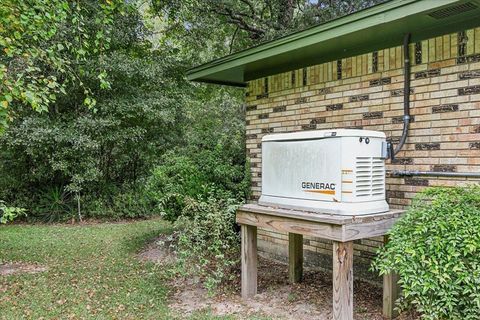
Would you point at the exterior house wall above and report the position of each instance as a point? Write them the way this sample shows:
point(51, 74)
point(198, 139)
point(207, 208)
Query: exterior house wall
point(366, 92)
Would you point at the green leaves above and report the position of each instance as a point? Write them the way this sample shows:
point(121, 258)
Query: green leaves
point(207, 240)
point(434, 248)
point(104, 84)
point(42, 43)
point(8, 214)
point(102, 144)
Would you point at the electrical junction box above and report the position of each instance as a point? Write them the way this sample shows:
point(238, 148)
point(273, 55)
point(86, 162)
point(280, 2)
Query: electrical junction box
point(329, 171)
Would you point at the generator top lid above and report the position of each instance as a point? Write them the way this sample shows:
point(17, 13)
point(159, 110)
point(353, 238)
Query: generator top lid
point(378, 27)
point(321, 134)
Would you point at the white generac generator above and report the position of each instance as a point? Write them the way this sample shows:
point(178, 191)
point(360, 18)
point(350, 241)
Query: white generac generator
point(329, 171)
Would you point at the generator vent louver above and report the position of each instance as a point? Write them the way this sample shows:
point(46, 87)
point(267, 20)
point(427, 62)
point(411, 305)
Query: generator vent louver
point(370, 177)
point(452, 10)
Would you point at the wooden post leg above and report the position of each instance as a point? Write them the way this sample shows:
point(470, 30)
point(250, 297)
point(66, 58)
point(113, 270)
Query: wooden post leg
point(391, 292)
point(342, 280)
point(295, 257)
point(249, 261)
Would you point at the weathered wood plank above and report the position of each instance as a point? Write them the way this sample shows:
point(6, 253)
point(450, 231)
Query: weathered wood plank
point(318, 216)
point(431, 50)
point(391, 292)
point(295, 257)
point(453, 45)
point(390, 295)
point(304, 215)
point(249, 261)
point(477, 40)
point(367, 230)
point(439, 48)
point(331, 231)
point(298, 226)
point(342, 280)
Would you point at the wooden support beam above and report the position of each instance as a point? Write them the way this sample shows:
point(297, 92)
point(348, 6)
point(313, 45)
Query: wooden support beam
point(249, 261)
point(338, 228)
point(281, 224)
point(295, 257)
point(342, 280)
point(391, 292)
point(390, 295)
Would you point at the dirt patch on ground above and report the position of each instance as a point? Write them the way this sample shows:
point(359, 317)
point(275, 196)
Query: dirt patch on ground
point(277, 298)
point(15, 268)
point(158, 251)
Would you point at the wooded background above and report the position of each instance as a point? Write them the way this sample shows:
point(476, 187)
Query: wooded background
point(97, 117)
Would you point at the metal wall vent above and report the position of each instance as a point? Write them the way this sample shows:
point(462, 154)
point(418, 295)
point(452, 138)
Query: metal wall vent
point(452, 10)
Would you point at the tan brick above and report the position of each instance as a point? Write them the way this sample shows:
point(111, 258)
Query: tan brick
point(455, 130)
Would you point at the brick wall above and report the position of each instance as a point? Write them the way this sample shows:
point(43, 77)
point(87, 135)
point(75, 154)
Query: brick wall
point(366, 92)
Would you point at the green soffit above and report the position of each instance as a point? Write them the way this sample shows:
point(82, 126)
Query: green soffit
point(381, 26)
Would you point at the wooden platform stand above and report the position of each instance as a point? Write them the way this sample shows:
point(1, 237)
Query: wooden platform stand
point(342, 230)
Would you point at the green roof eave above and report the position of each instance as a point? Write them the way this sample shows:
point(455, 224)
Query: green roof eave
point(378, 27)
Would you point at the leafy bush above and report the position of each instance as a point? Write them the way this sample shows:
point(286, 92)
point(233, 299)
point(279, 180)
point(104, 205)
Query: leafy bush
point(208, 243)
point(435, 249)
point(200, 184)
point(54, 204)
point(130, 202)
point(173, 181)
point(210, 164)
point(8, 214)
point(181, 178)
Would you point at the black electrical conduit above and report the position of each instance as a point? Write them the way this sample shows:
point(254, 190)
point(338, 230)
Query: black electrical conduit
point(411, 173)
point(406, 94)
point(406, 124)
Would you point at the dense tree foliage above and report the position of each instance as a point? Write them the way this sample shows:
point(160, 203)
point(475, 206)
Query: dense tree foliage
point(44, 44)
point(49, 159)
point(211, 163)
point(74, 161)
point(150, 140)
point(237, 24)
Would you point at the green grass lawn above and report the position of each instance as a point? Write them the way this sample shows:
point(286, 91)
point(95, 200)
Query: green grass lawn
point(92, 272)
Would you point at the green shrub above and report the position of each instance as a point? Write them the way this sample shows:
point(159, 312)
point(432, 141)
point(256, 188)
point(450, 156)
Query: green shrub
point(130, 203)
point(199, 174)
point(54, 204)
point(8, 214)
point(208, 243)
point(212, 160)
point(435, 249)
point(170, 183)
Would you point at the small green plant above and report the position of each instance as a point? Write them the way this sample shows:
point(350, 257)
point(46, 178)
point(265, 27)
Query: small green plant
point(54, 204)
point(435, 249)
point(208, 244)
point(8, 214)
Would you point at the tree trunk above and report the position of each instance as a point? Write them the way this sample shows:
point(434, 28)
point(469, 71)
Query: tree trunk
point(285, 13)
